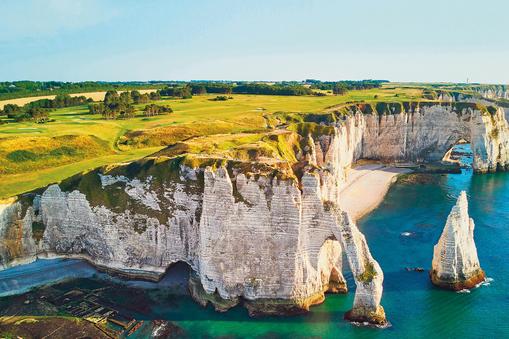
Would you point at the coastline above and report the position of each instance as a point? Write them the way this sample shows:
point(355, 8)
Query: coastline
point(366, 187)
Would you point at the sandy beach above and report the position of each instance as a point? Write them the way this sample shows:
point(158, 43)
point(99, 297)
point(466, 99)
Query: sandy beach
point(96, 96)
point(366, 187)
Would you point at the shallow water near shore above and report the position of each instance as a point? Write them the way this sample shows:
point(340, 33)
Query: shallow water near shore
point(401, 233)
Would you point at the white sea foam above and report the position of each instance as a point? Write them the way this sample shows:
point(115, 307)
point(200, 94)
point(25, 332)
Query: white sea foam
point(464, 291)
point(487, 282)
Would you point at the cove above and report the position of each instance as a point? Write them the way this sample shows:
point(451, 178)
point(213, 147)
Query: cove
point(401, 233)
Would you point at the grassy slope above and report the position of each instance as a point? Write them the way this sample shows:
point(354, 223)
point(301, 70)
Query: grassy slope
point(196, 117)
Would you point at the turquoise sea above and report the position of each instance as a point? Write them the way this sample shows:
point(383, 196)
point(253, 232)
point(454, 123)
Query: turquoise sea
point(401, 233)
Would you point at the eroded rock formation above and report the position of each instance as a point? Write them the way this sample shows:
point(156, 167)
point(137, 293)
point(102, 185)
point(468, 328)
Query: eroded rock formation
point(268, 242)
point(455, 263)
point(264, 233)
point(367, 272)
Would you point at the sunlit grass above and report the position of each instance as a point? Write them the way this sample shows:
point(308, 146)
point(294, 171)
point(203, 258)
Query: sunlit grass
point(194, 117)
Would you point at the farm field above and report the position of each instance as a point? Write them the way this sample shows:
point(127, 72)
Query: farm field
point(34, 155)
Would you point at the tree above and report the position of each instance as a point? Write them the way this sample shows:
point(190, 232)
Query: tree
point(111, 97)
point(126, 112)
point(186, 92)
point(38, 115)
point(181, 91)
point(153, 109)
point(199, 90)
point(96, 108)
point(115, 105)
point(135, 95)
point(155, 95)
point(108, 113)
point(339, 89)
point(125, 98)
point(168, 91)
point(11, 110)
point(144, 98)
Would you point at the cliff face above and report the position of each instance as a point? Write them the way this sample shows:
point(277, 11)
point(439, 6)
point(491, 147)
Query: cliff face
point(493, 92)
point(268, 234)
point(17, 244)
point(455, 263)
point(274, 244)
point(426, 131)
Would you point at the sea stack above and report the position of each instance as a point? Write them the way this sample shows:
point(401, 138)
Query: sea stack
point(366, 271)
point(455, 263)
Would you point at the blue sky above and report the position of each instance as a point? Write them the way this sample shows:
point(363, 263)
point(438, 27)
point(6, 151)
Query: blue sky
point(399, 40)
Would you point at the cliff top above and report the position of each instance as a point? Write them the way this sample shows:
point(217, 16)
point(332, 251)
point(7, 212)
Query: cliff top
point(244, 129)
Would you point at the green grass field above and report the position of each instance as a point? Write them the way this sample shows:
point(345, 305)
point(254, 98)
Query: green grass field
point(34, 155)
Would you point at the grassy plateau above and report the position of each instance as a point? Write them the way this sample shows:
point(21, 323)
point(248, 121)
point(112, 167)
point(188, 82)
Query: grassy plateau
point(34, 155)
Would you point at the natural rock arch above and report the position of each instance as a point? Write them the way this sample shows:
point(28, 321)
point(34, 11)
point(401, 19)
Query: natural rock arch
point(425, 133)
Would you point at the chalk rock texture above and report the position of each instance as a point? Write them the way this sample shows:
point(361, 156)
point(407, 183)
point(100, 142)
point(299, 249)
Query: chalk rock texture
point(426, 132)
point(267, 242)
point(455, 263)
point(267, 234)
point(493, 91)
point(367, 273)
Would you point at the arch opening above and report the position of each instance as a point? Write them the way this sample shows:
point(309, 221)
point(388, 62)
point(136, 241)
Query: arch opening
point(330, 266)
point(460, 154)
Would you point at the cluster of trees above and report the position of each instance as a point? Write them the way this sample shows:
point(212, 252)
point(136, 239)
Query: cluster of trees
point(61, 100)
point(184, 92)
point(153, 109)
point(221, 98)
point(275, 89)
point(198, 88)
point(38, 111)
point(19, 89)
point(211, 87)
point(145, 97)
point(120, 106)
point(18, 113)
point(308, 87)
point(341, 87)
point(114, 106)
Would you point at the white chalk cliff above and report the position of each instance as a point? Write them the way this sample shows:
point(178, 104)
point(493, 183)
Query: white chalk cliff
point(267, 234)
point(263, 241)
point(455, 263)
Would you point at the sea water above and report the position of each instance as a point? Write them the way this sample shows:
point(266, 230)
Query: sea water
point(401, 234)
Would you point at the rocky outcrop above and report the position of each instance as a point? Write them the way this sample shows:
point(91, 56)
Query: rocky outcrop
point(366, 271)
point(267, 234)
point(425, 132)
point(267, 242)
point(492, 91)
point(455, 263)
point(17, 244)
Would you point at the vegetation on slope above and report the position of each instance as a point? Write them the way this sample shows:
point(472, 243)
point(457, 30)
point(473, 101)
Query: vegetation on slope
point(199, 129)
point(27, 154)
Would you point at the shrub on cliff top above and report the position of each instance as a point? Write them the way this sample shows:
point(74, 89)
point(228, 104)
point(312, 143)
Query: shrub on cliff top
point(369, 273)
